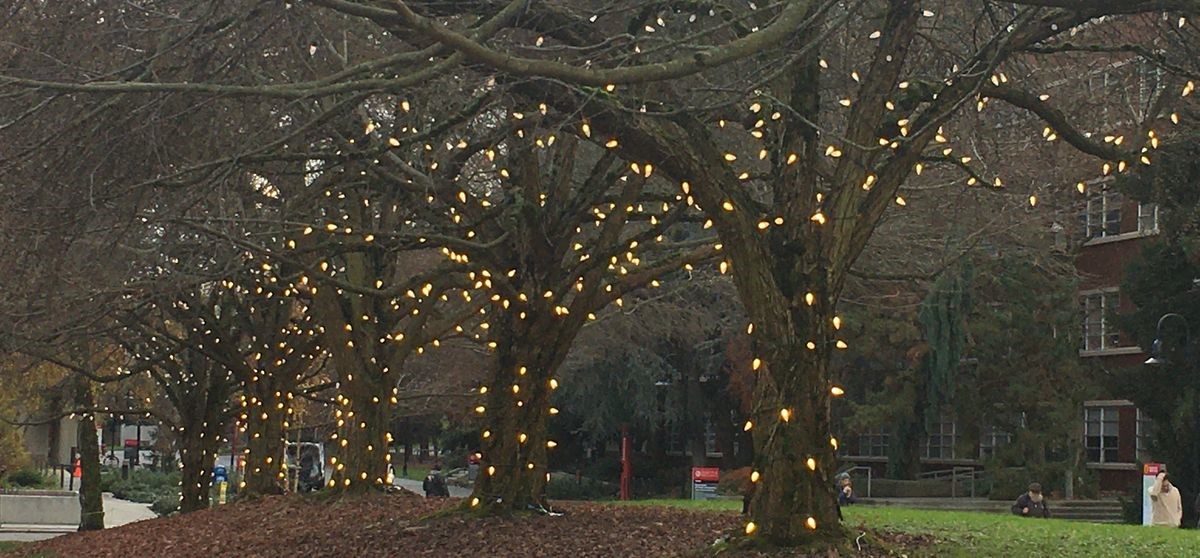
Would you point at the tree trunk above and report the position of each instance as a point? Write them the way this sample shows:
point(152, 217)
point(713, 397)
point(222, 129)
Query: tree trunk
point(366, 372)
point(363, 436)
point(514, 468)
point(203, 415)
point(91, 502)
point(197, 456)
point(790, 300)
point(265, 441)
point(725, 432)
point(904, 447)
point(695, 427)
point(794, 500)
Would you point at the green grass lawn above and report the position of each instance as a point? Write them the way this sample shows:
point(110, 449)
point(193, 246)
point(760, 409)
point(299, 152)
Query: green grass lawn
point(415, 472)
point(978, 535)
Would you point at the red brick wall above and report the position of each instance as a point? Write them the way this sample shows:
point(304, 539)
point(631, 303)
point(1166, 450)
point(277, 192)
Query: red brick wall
point(1103, 264)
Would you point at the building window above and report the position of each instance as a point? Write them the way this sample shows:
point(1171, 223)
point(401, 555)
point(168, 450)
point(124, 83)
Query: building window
point(1145, 429)
point(1099, 332)
point(873, 443)
point(942, 438)
point(1100, 434)
point(991, 439)
point(1103, 215)
point(1148, 218)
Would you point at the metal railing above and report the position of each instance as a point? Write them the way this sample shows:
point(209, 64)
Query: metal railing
point(851, 471)
point(954, 475)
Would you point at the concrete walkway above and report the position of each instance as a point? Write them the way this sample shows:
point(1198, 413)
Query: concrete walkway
point(116, 513)
point(415, 486)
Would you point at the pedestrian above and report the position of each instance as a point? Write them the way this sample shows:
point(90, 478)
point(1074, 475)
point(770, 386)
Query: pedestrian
point(1166, 507)
point(846, 492)
point(1031, 503)
point(435, 484)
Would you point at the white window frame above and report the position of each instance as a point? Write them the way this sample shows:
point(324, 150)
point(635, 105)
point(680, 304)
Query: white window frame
point(1109, 338)
point(1096, 214)
point(1148, 212)
point(944, 450)
point(991, 439)
point(872, 439)
point(1145, 428)
point(1104, 415)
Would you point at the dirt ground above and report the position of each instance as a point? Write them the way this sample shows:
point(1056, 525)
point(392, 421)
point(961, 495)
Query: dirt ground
point(400, 525)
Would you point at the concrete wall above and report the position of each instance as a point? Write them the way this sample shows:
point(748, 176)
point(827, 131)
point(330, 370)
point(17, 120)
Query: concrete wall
point(38, 439)
point(39, 507)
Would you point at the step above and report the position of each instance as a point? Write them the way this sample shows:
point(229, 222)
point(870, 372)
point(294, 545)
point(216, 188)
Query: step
point(1091, 511)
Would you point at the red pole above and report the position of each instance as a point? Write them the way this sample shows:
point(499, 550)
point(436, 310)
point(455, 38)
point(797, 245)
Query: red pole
point(626, 466)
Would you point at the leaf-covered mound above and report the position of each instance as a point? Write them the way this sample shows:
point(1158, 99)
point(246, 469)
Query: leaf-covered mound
point(400, 525)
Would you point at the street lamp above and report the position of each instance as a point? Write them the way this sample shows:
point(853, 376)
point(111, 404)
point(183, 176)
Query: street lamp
point(1157, 358)
point(137, 451)
point(1156, 349)
point(116, 431)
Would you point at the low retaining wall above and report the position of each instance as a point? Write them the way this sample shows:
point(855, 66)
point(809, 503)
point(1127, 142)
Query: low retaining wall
point(39, 507)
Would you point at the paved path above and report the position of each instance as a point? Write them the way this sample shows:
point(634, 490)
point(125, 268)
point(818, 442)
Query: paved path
point(415, 486)
point(116, 513)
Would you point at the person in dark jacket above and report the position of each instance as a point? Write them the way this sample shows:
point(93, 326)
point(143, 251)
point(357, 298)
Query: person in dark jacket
point(435, 484)
point(1031, 503)
point(846, 492)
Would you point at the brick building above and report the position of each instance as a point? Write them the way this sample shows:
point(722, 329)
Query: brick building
point(1113, 231)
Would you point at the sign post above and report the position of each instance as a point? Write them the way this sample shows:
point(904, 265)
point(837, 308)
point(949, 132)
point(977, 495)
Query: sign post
point(1150, 472)
point(704, 482)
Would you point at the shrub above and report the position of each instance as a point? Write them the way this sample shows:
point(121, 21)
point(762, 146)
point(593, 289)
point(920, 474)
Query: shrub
point(145, 486)
point(29, 478)
point(108, 476)
point(1131, 507)
point(165, 504)
point(564, 486)
point(736, 481)
point(1010, 483)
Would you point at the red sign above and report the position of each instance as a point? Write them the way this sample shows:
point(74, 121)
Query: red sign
point(1151, 469)
point(706, 474)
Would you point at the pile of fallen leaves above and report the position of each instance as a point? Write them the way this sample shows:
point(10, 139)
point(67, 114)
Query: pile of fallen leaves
point(407, 525)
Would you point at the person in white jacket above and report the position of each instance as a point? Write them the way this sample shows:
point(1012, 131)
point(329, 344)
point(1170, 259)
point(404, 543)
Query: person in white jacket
point(1166, 507)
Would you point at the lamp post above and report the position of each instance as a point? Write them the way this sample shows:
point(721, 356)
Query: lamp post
point(137, 450)
point(116, 432)
point(1158, 358)
point(1156, 355)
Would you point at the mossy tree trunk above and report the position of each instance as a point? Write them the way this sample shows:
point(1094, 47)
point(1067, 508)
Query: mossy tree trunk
point(364, 355)
point(91, 502)
point(365, 411)
point(203, 416)
point(197, 455)
point(265, 415)
point(514, 467)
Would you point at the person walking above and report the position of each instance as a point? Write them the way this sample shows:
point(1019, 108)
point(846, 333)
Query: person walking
point(1031, 503)
point(1166, 507)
